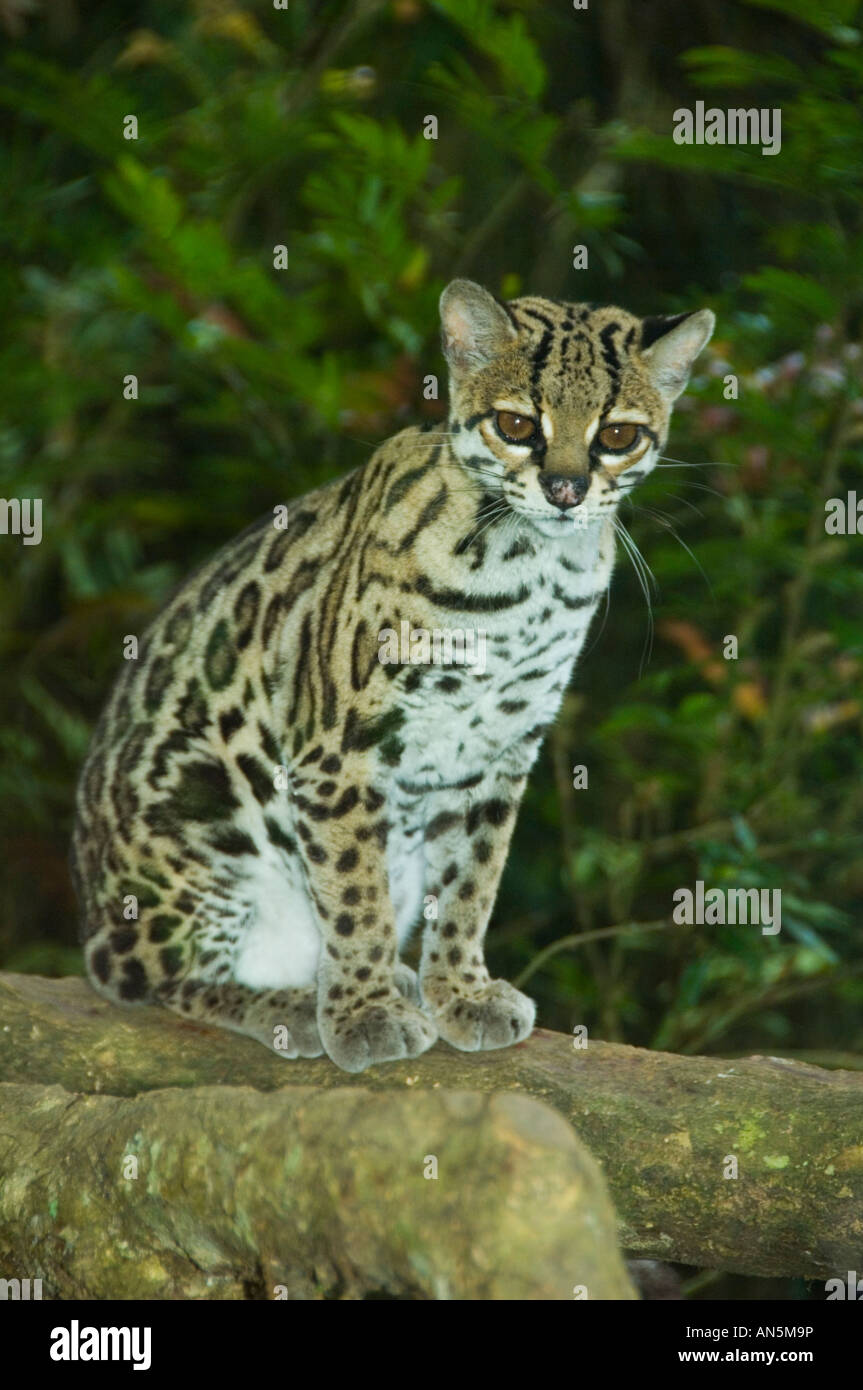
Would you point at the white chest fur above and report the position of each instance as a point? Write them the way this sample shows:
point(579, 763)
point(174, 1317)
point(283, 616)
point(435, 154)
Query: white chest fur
point(516, 663)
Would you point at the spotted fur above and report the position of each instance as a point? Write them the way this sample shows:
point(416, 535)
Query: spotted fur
point(266, 807)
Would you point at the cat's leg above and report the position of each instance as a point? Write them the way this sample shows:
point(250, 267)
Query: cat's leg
point(363, 1015)
point(250, 964)
point(284, 1020)
point(405, 861)
point(467, 838)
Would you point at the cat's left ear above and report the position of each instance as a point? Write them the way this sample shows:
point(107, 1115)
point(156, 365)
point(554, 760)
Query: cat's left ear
point(669, 346)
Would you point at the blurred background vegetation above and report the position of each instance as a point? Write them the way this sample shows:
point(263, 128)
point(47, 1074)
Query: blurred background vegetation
point(303, 127)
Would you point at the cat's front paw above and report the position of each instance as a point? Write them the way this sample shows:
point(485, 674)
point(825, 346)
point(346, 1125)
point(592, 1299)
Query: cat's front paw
point(385, 1032)
point(496, 1016)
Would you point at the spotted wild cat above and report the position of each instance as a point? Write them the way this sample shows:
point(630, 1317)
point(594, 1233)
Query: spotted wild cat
point(274, 801)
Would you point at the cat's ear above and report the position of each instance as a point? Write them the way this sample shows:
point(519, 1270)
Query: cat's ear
point(475, 328)
point(669, 346)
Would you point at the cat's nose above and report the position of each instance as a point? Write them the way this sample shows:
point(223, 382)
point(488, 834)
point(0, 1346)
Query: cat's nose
point(563, 491)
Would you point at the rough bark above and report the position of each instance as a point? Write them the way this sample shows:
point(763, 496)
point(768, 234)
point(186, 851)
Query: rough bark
point(223, 1192)
point(662, 1127)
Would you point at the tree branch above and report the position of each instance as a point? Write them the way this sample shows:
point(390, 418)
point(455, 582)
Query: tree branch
point(244, 1156)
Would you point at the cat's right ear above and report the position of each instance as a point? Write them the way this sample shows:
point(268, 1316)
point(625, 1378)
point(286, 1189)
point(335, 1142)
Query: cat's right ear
point(474, 327)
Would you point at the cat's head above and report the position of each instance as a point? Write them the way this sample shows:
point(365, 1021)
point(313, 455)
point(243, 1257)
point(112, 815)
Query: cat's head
point(562, 408)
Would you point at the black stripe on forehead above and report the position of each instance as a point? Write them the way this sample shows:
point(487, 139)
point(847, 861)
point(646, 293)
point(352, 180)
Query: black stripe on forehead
point(537, 317)
point(540, 357)
point(587, 341)
point(609, 349)
point(612, 362)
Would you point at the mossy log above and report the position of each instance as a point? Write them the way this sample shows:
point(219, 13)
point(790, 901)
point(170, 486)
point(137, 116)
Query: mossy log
point(255, 1171)
point(224, 1192)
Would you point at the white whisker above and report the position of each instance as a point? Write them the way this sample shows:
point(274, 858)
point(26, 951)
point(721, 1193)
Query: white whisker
point(644, 575)
point(663, 520)
point(668, 462)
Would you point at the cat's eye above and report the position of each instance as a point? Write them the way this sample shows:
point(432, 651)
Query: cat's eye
point(618, 437)
point(516, 429)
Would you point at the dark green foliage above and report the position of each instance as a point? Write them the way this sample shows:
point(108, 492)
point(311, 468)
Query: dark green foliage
point(304, 128)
